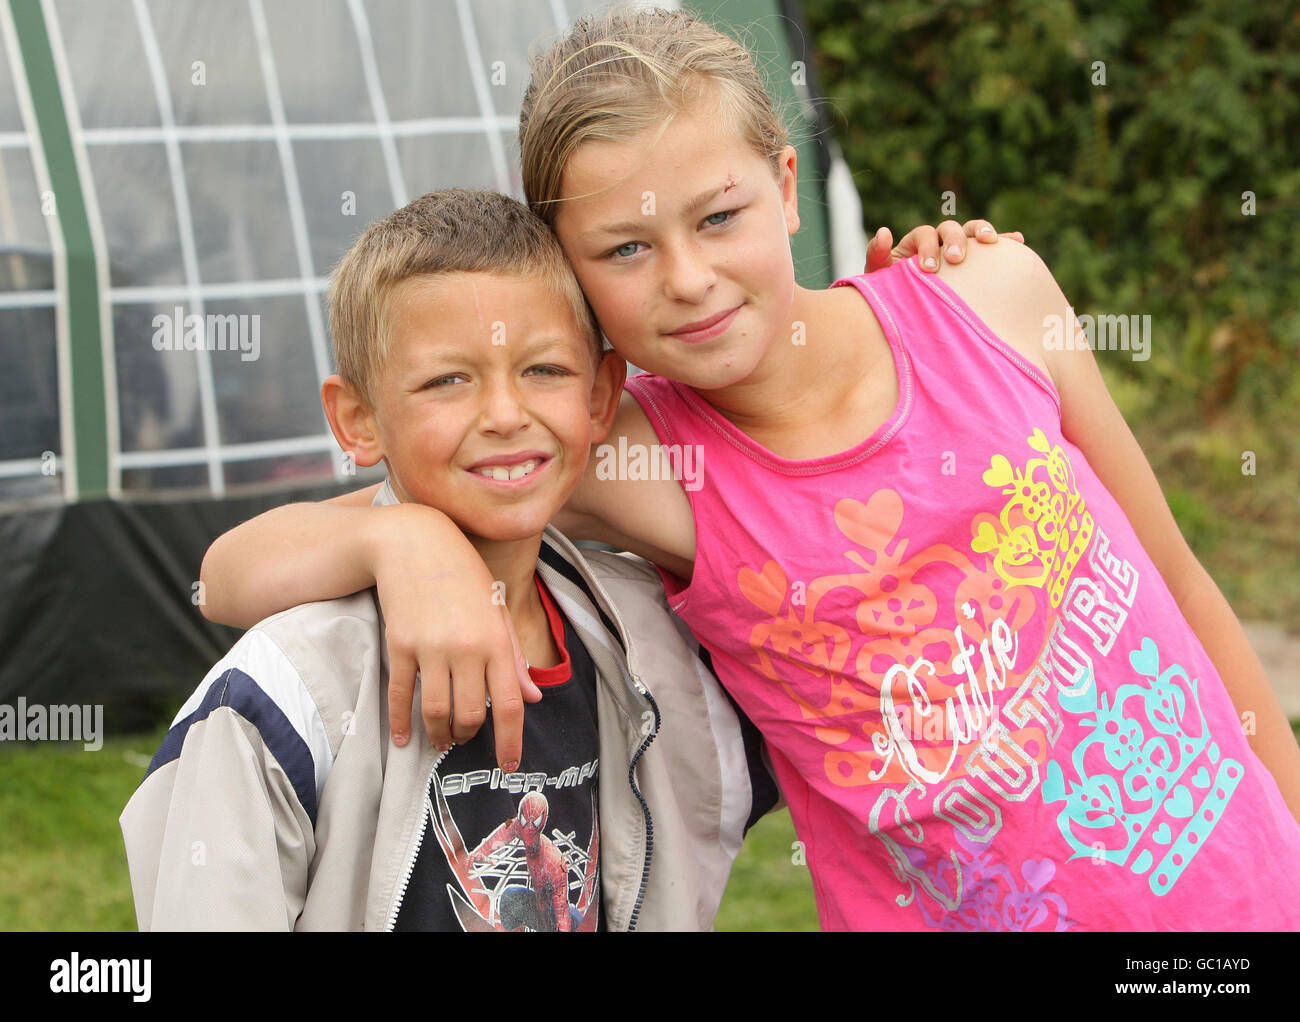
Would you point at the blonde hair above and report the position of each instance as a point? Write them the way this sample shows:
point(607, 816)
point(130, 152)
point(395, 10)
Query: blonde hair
point(625, 70)
point(454, 230)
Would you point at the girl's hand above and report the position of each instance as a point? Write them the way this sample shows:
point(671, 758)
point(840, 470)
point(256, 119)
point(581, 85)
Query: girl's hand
point(927, 240)
point(440, 620)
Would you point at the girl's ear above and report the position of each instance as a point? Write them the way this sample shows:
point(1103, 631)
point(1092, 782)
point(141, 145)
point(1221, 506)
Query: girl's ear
point(351, 421)
point(605, 393)
point(788, 179)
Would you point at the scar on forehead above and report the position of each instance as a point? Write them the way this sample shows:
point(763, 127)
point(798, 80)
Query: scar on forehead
point(732, 181)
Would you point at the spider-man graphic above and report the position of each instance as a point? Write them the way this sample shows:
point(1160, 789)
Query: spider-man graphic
point(531, 891)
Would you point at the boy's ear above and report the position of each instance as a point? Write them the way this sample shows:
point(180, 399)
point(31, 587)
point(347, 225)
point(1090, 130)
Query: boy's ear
point(788, 179)
point(351, 421)
point(606, 392)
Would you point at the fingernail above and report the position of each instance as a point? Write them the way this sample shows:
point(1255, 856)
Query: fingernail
point(954, 252)
point(986, 229)
point(399, 738)
point(510, 767)
point(444, 748)
point(930, 263)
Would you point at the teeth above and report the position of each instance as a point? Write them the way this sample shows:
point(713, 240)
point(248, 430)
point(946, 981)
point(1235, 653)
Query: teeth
point(503, 474)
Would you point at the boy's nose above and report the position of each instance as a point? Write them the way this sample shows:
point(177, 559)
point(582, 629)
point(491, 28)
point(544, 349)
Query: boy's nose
point(503, 408)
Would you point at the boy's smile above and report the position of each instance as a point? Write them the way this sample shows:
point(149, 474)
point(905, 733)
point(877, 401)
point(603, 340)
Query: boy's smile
point(483, 404)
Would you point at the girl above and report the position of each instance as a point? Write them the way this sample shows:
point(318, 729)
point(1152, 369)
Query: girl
point(928, 557)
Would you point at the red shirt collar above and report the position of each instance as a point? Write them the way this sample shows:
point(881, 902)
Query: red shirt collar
point(561, 672)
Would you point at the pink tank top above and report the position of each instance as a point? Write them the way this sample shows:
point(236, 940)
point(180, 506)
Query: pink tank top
point(984, 707)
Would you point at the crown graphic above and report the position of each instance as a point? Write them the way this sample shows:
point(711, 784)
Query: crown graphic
point(1148, 783)
point(1043, 529)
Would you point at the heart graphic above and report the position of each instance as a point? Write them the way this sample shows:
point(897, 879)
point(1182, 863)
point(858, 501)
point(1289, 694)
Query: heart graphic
point(1180, 803)
point(986, 538)
point(999, 472)
point(873, 524)
point(1202, 778)
point(765, 591)
point(1143, 861)
point(1163, 834)
point(1146, 661)
point(1038, 873)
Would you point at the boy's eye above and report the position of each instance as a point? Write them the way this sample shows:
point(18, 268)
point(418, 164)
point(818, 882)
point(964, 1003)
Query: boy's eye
point(726, 214)
point(442, 381)
point(626, 250)
point(549, 370)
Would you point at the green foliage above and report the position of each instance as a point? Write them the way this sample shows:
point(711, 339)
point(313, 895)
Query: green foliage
point(1132, 192)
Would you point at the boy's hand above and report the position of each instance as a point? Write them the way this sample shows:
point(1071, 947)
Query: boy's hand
point(927, 240)
point(440, 620)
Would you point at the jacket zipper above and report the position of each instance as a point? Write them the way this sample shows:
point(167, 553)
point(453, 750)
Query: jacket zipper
point(645, 809)
point(415, 853)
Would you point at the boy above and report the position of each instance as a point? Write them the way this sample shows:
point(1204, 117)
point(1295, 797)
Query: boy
point(470, 364)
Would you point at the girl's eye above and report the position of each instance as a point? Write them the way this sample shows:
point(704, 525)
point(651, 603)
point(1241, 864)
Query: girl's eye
point(622, 250)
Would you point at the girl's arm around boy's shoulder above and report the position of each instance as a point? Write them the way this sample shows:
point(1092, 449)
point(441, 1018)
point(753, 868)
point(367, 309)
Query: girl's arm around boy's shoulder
point(289, 555)
point(422, 566)
point(1011, 289)
point(650, 517)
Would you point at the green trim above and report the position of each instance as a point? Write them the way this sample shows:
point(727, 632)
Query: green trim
point(761, 22)
point(85, 346)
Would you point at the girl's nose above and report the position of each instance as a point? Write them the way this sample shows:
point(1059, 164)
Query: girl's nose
point(688, 276)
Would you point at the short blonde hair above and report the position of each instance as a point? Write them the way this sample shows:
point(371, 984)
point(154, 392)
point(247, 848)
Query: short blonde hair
point(625, 70)
point(455, 230)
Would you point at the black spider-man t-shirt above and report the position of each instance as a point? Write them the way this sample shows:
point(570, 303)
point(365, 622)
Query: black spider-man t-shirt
point(517, 851)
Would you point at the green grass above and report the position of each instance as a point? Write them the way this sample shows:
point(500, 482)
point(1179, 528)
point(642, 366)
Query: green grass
point(61, 850)
point(768, 890)
point(64, 865)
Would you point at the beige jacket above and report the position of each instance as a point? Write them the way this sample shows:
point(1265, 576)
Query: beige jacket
point(277, 800)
